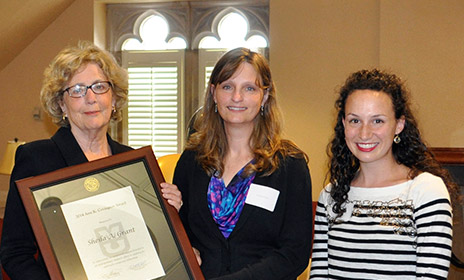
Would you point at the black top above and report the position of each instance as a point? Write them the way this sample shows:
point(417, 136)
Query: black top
point(264, 244)
point(18, 245)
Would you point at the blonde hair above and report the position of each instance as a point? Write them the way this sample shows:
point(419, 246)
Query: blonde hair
point(210, 141)
point(64, 66)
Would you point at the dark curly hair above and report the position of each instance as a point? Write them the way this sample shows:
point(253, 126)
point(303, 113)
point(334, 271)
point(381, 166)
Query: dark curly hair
point(411, 151)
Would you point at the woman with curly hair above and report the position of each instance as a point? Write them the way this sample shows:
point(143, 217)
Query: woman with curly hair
point(386, 213)
point(246, 191)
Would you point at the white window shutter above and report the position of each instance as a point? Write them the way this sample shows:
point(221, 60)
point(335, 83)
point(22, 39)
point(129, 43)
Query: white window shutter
point(154, 113)
point(207, 60)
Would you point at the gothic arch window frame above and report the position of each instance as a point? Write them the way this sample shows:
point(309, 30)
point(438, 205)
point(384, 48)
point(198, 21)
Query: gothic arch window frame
point(191, 21)
point(135, 34)
point(214, 31)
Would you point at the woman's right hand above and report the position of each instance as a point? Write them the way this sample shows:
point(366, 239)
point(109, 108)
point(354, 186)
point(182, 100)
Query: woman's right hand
point(197, 255)
point(172, 194)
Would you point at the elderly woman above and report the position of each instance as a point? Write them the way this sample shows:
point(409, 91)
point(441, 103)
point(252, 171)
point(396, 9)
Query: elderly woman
point(247, 192)
point(83, 90)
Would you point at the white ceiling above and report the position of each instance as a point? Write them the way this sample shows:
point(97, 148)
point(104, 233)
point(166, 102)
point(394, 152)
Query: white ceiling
point(22, 21)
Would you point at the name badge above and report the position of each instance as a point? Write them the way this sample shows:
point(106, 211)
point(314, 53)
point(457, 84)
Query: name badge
point(262, 196)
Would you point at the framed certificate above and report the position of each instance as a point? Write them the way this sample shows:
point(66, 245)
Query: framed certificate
point(106, 219)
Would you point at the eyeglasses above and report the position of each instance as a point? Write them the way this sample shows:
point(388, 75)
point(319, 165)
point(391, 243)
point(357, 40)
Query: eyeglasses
point(78, 91)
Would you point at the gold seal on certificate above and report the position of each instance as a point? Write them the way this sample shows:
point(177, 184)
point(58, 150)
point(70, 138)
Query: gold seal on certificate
point(91, 184)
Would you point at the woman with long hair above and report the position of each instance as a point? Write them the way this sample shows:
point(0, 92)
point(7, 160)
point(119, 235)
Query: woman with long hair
point(246, 191)
point(386, 213)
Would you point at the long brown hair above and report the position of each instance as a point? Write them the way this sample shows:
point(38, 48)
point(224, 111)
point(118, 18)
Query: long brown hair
point(210, 140)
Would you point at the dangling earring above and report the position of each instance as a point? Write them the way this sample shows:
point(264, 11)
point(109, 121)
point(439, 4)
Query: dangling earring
point(64, 117)
point(397, 139)
point(215, 107)
point(114, 109)
point(262, 110)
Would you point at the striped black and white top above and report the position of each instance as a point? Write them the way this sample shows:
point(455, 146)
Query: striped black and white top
point(397, 232)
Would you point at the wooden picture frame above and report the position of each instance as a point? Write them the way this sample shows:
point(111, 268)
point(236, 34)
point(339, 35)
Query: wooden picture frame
point(453, 160)
point(448, 155)
point(122, 190)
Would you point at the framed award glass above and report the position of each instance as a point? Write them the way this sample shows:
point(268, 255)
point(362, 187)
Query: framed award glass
point(106, 219)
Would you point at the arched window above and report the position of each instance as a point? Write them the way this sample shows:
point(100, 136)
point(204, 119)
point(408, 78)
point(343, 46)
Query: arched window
point(230, 29)
point(169, 50)
point(152, 34)
point(233, 31)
